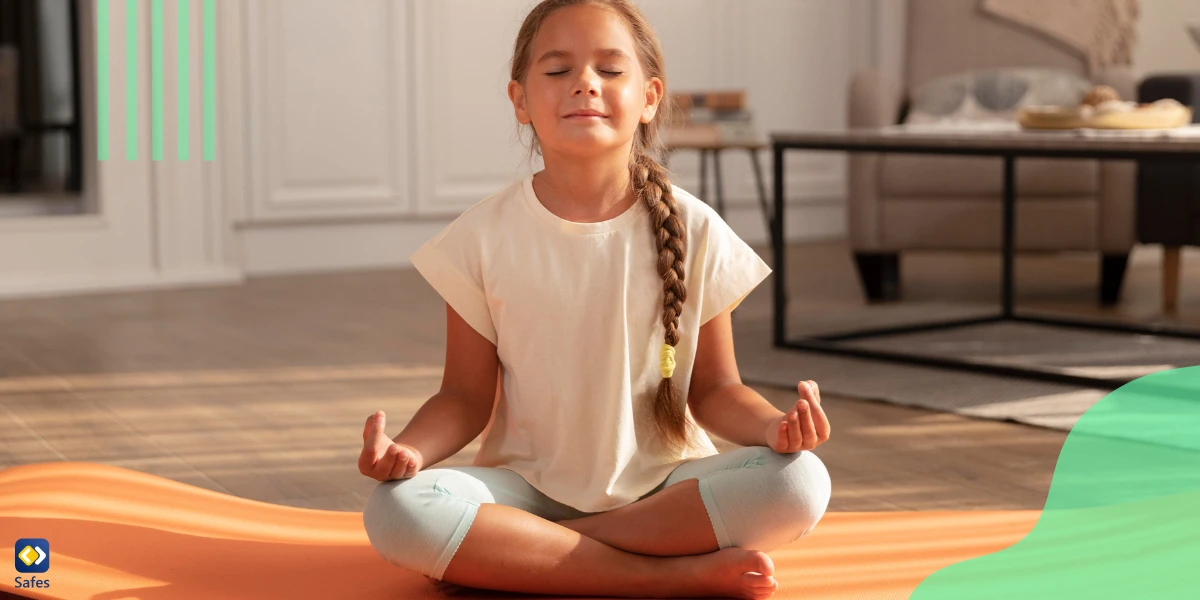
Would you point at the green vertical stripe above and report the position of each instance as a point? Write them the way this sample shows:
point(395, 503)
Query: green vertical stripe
point(102, 79)
point(131, 105)
point(156, 79)
point(184, 76)
point(210, 78)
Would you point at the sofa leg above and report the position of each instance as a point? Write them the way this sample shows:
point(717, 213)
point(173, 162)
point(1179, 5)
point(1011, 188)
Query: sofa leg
point(1170, 278)
point(879, 273)
point(1112, 275)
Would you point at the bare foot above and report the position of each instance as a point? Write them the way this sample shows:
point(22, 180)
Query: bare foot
point(729, 573)
point(450, 589)
point(736, 573)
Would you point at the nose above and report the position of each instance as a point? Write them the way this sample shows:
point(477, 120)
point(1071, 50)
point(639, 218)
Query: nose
point(587, 84)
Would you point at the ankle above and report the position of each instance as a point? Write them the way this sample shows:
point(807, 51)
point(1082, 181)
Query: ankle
point(682, 576)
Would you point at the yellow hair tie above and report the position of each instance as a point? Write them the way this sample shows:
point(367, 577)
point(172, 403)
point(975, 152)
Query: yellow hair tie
point(666, 360)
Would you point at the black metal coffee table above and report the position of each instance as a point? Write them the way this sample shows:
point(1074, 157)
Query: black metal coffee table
point(1008, 145)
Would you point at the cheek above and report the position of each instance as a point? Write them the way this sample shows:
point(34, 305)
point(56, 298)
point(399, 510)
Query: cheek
point(627, 103)
point(545, 107)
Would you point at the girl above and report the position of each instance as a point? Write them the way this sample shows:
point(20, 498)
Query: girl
point(588, 336)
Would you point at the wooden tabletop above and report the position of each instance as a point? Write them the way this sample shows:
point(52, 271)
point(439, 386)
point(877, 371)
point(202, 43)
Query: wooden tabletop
point(748, 145)
point(710, 139)
point(995, 142)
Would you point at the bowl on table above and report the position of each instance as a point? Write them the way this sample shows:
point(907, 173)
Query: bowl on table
point(1051, 117)
point(1162, 114)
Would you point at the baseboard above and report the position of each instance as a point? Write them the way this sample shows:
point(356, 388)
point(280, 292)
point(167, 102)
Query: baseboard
point(90, 283)
point(333, 246)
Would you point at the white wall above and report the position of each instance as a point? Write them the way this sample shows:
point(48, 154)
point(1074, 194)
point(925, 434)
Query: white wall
point(367, 144)
point(1163, 45)
point(350, 132)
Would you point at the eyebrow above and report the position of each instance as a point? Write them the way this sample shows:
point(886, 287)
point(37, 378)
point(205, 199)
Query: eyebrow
point(614, 52)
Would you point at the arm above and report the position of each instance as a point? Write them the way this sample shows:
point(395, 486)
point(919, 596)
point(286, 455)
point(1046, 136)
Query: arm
point(460, 411)
point(718, 399)
point(724, 406)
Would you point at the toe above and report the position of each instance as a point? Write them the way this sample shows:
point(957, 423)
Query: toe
point(765, 565)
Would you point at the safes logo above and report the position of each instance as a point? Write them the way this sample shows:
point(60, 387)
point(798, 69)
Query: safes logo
point(31, 555)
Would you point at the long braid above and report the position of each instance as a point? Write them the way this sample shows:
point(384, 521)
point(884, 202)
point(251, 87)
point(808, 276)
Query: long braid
point(650, 181)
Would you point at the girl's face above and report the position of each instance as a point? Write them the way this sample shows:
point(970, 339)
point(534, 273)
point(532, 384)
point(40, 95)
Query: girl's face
point(583, 59)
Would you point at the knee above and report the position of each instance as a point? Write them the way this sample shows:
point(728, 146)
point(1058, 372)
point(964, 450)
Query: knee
point(410, 521)
point(804, 488)
point(391, 515)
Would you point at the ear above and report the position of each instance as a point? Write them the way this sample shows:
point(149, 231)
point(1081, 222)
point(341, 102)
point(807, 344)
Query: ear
point(516, 93)
point(654, 96)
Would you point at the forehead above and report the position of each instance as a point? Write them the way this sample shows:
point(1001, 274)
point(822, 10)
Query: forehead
point(587, 30)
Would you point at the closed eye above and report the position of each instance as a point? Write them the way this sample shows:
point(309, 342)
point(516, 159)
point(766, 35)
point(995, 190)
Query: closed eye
point(613, 73)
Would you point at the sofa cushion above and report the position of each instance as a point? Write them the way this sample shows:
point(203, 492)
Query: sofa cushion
point(963, 224)
point(919, 175)
point(992, 95)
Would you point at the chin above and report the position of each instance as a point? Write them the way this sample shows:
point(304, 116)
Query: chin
point(581, 145)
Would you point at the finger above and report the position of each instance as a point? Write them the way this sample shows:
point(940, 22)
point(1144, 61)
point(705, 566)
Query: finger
point(780, 443)
point(401, 466)
point(794, 438)
point(366, 461)
point(410, 464)
point(821, 420)
point(387, 462)
point(808, 429)
point(373, 425)
point(381, 466)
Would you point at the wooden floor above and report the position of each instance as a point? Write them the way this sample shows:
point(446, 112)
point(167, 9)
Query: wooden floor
point(260, 390)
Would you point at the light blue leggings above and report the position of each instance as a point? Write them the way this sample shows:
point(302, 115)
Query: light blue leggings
point(757, 499)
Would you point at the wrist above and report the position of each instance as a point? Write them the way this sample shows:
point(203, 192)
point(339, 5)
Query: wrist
point(770, 426)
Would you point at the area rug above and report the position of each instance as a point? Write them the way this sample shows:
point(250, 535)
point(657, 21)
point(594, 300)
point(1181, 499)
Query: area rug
point(1021, 400)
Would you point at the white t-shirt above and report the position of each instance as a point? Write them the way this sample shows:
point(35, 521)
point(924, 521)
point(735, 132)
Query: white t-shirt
point(575, 312)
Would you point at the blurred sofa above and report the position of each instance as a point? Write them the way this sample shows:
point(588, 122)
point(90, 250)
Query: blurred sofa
point(904, 202)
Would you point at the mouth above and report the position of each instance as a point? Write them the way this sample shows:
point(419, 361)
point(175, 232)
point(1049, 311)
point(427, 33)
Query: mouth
point(585, 114)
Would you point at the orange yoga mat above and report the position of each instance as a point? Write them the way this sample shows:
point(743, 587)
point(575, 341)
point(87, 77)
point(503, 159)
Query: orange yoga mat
point(116, 533)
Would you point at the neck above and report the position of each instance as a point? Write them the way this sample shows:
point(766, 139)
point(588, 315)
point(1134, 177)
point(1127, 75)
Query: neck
point(592, 189)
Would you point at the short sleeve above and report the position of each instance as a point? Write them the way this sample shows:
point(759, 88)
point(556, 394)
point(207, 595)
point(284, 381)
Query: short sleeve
point(732, 269)
point(451, 263)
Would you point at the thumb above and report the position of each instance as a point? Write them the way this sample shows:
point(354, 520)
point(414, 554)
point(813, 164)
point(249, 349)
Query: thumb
point(380, 421)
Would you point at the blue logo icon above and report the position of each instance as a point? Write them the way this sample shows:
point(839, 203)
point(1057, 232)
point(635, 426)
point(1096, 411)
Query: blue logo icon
point(32, 555)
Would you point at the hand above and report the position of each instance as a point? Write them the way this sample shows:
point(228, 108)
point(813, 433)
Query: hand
point(384, 459)
point(801, 428)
